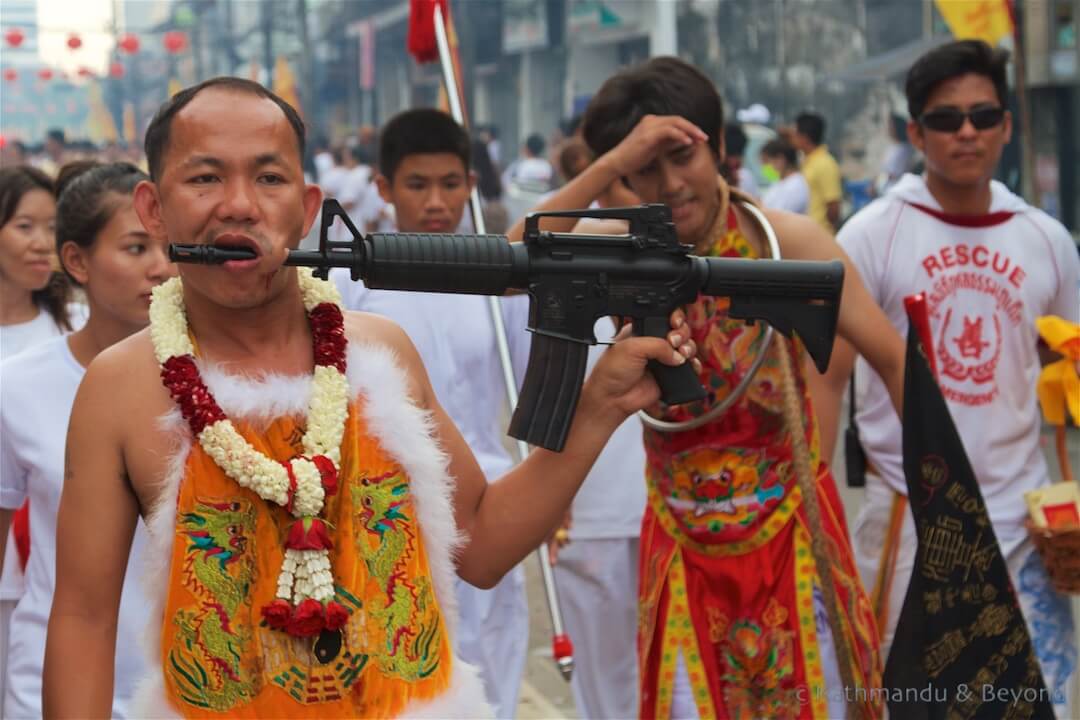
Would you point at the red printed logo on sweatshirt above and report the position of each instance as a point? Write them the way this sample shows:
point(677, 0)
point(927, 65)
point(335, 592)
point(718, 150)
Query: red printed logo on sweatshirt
point(969, 334)
point(961, 348)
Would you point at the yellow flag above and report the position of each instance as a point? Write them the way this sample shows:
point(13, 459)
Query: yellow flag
point(100, 126)
point(285, 84)
point(129, 124)
point(989, 20)
point(174, 86)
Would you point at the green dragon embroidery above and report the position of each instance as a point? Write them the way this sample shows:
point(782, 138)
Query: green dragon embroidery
point(408, 618)
point(206, 660)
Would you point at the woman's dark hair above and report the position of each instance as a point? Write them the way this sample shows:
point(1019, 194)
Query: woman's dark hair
point(15, 182)
point(778, 147)
point(660, 86)
point(86, 199)
point(157, 135)
point(487, 180)
point(952, 60)
point(424, 131)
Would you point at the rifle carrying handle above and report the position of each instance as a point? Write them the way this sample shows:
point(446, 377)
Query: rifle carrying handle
point(550, 392)
point(678, 383)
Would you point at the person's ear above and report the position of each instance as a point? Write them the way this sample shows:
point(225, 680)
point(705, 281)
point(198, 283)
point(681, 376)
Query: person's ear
point(915, 135)
point(1006, 126)
point(313, 198)
point(721, 149)
point(148, 208)
point(75, 262)
point(473, 178)
point(385, 188)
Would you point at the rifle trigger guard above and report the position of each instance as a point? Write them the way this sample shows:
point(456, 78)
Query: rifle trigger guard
point(720, 408)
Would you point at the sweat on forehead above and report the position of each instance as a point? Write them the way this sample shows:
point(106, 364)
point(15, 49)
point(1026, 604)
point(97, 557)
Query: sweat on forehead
point(216, 98)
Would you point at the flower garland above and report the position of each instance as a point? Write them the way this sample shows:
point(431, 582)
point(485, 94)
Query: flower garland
point(304, 605)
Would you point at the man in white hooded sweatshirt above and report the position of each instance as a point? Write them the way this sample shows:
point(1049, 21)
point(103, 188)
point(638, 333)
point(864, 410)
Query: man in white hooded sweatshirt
point(989, 264)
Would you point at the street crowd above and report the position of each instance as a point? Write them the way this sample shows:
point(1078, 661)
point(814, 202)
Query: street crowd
point(240, 491)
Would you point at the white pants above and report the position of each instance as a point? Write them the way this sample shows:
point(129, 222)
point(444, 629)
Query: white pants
point(1048, 614)
point(6, 608)
point(12, 586)
point(598, 583)
point(493, 636)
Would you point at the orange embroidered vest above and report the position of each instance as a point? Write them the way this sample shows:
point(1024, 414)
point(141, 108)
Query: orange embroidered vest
point(219, 657)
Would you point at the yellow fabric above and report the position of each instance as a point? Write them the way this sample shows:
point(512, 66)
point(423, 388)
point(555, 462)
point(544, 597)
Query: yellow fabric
point(987, 20)
point(823, 177)
point(1059, 387)
point(218, 657)
point(285, 84)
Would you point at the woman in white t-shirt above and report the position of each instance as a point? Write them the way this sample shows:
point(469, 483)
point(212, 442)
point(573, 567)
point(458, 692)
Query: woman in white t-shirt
point(104, 248)
point(790, 192)
point(33, 307)
point(34, 298)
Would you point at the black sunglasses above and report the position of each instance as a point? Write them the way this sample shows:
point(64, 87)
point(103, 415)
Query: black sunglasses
point(952, 119)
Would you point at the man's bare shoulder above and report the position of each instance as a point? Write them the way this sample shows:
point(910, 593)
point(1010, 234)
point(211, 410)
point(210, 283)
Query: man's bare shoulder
point(126, 366)
point(124, 383)
point(370, 329)
point(117, 413)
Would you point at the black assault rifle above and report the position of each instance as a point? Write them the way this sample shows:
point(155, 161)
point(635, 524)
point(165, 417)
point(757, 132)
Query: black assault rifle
point(573, 280)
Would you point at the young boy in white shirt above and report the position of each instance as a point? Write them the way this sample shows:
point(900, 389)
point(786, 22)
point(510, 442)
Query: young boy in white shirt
point(424, 174)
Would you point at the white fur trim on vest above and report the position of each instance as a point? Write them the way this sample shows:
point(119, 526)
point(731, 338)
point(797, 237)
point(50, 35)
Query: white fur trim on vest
point(403, 430)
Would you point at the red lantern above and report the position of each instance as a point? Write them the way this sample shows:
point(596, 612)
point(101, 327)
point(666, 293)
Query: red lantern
point(85, 72)
point(45, 74)
point(175, 41)
point(129, 43)
point(14, 37)
point(116, 70)
point(74, 41)
point(11, 74)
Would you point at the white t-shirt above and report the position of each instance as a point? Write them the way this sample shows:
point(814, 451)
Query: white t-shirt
point(13, 340)
point(324, 162)
point(353, 187)
point(790, 193)
point(612, 499)
point(747, 183)
point(35, 405)
point(332, 180)
point(530, 171)
point(985, 285)
point(375, 214)
point(18, 337)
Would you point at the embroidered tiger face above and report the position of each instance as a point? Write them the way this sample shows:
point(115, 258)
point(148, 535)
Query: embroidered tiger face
point(712, 476)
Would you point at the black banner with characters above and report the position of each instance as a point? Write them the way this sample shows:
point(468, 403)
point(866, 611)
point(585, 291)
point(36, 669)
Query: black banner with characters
point(961, 648)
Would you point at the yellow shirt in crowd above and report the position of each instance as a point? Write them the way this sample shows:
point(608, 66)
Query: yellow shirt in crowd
point(823, 176)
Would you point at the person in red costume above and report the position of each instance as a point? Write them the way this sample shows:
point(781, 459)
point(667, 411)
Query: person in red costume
point(731, 614)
